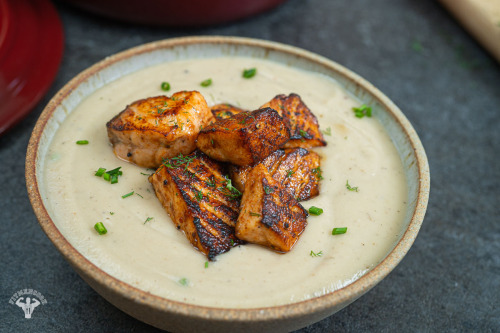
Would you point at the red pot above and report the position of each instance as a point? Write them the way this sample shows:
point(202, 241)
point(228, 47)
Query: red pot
point(176, 13)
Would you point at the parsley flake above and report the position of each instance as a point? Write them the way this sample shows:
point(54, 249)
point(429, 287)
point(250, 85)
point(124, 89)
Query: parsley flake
point(350, 188)
point(319, 254)
point(249, 73)
point(363, 110)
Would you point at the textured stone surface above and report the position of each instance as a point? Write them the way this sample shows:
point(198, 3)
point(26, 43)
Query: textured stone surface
point(444, 82)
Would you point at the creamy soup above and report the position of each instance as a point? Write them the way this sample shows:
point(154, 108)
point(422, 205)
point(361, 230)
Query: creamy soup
point(144, 249)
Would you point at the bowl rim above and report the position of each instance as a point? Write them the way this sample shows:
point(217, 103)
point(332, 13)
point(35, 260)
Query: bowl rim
point(330, 300)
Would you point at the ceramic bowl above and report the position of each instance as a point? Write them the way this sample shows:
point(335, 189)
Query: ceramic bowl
point(177, 316)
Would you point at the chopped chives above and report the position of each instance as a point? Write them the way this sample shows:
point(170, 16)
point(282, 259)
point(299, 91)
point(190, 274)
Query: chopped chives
point(110, 176)
point(100, 228)
point(327, 131)
point(100, 172)
point(148, 219)
point(315, 210)
point(206, 83)
point(319, 254)
point(127, 195)
point(254, 214)
point(248, 73)
point(268, 189)
point(350, 188)
point(165, 86)
point(184, 281)
point(82, 142)
point(339, 231)
point(115, 171)
point(206, 264)
point(363, 110)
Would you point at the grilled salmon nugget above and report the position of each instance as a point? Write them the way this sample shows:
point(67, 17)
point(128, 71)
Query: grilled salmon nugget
point(297, 169)
point(245, 138)
point(200, 201)
point(303, 125)
point(152, 129)
point(269, 214)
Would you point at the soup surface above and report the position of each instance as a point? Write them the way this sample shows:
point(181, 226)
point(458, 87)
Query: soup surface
point(142, 246)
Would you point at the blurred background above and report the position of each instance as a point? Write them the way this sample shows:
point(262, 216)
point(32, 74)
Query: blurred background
point(416, 52)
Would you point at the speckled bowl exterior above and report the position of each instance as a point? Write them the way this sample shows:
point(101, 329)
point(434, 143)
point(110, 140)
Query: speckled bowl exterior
point(182, 317)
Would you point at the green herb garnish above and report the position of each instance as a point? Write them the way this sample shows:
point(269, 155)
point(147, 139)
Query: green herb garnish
point(289, 173)
point(268, 189)
point(148, 219)
point(254, 214)
point(363, 110)
point(100, 228)
point(339, 231)
point(206, 264)
point(319, 254)
point(82, 142)
point(315, 210)
point(206, 83)
point(327, 131)
point(184, 281)
point(304, 134)
point(350, 188)
point(110, 176)
point(127, 195)
point(318, 172)
point(100, 172)
point(417, 46)
point(248, 73)
point(165, 86)
point(178, 161)
point(199, 196)
point(234, 193)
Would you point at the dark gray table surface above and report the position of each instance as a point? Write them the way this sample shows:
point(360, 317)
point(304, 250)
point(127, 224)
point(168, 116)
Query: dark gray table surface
point(414, 51)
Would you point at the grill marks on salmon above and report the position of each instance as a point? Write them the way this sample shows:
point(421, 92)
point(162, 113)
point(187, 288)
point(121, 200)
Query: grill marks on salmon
point(297, 169)
point(270, 215)
point(151, 129)
point(303, 125)
point(195, 194)
point(245, 138)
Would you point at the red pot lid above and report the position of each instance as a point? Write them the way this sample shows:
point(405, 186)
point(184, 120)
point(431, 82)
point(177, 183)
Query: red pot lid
point(31, 47)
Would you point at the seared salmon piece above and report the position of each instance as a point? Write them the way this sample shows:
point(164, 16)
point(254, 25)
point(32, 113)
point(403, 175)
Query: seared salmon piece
point(269, 214)
point(303, 125)
point(200, 201)
point(297, 169)
point(224, 111)
point(151, 129)
point(245, 138)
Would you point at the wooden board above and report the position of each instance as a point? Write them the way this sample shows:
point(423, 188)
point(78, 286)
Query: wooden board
point(481, 18)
